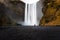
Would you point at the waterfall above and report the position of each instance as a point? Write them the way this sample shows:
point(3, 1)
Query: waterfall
point(30, 14)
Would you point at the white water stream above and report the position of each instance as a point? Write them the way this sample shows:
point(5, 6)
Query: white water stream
point(30, 14)
point(30, 17)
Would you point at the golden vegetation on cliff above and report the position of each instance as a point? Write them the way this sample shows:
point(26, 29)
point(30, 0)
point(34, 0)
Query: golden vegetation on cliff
point(51, 13)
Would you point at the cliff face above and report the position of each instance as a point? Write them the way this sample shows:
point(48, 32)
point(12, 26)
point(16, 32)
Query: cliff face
point(9, 6)
point(51, 13)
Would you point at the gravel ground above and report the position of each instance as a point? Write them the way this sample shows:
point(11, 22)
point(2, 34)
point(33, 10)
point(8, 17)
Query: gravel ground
point(29, 33)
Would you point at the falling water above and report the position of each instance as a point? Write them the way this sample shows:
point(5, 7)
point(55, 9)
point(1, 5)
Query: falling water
point(30, 14)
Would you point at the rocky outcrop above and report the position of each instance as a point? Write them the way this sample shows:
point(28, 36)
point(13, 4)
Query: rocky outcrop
point(51, 13)
point(9, 6)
